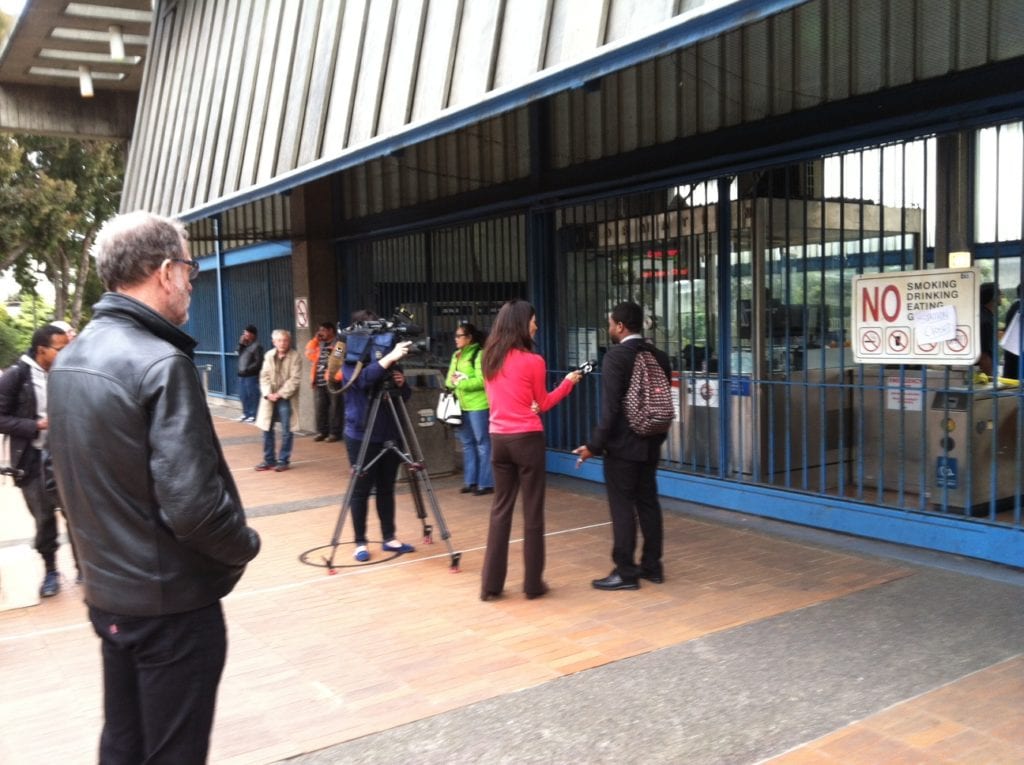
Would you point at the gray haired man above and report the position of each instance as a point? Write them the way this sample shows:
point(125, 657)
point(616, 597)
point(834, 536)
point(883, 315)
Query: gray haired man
point(157, 519)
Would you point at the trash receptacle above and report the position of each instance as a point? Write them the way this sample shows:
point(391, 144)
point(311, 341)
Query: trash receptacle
point(437, 441)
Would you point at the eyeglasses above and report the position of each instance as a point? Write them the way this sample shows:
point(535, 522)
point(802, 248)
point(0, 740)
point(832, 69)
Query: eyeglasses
point(193, 267)
point(460, 334)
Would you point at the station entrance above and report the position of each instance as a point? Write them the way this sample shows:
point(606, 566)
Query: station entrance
point(746, 283)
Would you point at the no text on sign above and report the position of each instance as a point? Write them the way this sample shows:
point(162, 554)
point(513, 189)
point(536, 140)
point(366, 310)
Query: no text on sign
point(916, 316)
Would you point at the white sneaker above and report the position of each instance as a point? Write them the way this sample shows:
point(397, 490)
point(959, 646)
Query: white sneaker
point(361, 554)
point(243, 418)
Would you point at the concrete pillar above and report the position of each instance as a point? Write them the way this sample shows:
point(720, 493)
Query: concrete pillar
point(314, 274)
point(954, 215)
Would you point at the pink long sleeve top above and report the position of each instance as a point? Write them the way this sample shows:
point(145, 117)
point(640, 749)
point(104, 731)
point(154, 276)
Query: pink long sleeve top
point(513, 390)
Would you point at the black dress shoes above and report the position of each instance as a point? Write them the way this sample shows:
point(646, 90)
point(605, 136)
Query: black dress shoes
point(614, 581)
point(534, 595)
point(656, 577)
point(468, 489)
point(486, 595)
point(482, 492)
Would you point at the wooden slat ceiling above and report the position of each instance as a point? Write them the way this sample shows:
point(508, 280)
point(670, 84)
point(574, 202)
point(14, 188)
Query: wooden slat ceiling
point(47, 46)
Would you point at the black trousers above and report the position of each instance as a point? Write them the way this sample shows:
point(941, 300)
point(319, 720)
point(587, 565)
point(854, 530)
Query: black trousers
point(160, 678)
point(42, 503)
point(633, 498)
point(379, 479)
point(519, 463)
point(330, 412)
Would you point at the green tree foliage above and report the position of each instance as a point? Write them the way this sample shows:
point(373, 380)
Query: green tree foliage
point(16, 331)
point(54, 195)
point(11, 342)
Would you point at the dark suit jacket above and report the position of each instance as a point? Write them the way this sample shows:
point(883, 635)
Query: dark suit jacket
point(612, 435)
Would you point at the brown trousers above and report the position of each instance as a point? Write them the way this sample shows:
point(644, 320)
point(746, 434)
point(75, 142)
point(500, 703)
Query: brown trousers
point(519, 462)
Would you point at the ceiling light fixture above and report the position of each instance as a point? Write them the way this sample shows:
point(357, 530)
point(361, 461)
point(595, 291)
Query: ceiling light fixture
point(85, 82)
point(59, 54)
point(53, 71)
point(94, 35)
point(116, 42)
point(94, 11)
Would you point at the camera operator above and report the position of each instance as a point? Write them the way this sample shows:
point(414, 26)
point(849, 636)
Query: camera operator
point(380, 477)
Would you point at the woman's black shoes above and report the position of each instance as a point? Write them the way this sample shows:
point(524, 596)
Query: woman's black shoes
point(482, 492)
point(471, 489)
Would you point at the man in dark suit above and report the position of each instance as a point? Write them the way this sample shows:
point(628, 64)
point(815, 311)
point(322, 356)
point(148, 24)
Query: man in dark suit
point(630, 460)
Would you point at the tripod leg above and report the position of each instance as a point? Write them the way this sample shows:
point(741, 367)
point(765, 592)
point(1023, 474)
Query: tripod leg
point(418, 471)
point(357, 468)
point(417, 498)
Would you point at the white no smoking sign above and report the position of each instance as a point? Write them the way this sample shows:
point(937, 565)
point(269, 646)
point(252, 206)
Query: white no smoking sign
point(916, 316)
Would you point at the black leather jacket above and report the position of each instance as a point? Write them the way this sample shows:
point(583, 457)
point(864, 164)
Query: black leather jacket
point(157, 521)
point(250, 359)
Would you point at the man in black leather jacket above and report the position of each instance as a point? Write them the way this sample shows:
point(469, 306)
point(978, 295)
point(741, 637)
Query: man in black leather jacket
point(156, 515)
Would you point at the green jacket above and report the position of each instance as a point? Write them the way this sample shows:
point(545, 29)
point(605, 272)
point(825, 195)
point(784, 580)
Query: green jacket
point(470, 390)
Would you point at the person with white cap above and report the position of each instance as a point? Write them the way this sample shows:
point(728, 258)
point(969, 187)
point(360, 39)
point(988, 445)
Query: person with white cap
point(68, 329)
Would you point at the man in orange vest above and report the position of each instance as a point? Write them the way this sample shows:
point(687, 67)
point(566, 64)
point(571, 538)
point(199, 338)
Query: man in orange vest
point(330, 407)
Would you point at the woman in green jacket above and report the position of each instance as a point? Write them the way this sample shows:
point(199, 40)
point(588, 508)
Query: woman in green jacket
point(466, 379)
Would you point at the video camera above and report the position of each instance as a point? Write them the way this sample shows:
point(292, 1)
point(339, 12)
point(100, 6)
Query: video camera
point(373, 339)
point(363, 342)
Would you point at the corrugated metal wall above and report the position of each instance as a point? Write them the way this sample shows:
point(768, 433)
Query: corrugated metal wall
point(265, 220)
point(238, 93)
point(443, 276)
point(255, 293)
point(821, 52)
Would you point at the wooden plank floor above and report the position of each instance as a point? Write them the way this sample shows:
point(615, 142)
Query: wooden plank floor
point(315, 659)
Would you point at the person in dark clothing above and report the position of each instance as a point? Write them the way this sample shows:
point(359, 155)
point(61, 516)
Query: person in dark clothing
point(1011, 361)
point(987, 360)
point(630, 460)
point(250, 360)
point(23, 419)
point(381, 475)
point(153, 508)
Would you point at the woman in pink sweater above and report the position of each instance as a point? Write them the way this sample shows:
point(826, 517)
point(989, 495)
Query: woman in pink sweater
point(514, 378)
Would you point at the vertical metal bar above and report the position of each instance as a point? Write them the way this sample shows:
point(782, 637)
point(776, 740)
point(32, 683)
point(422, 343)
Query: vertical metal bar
point(1019, 398)
point(219, 260)
point(724, 288)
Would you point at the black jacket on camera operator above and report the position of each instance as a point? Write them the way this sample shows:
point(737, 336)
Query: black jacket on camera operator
point(380, 478)
point(370, 378)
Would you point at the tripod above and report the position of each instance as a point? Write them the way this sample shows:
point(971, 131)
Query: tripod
point(415, 471)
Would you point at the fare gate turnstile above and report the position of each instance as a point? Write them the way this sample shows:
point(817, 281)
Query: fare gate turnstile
point(893, 423)
point(972, 449)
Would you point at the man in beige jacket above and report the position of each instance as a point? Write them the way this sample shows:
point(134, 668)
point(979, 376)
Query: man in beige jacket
point(279, 388)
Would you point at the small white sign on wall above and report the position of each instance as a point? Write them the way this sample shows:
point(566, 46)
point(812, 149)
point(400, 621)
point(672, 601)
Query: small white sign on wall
point(302, 313)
